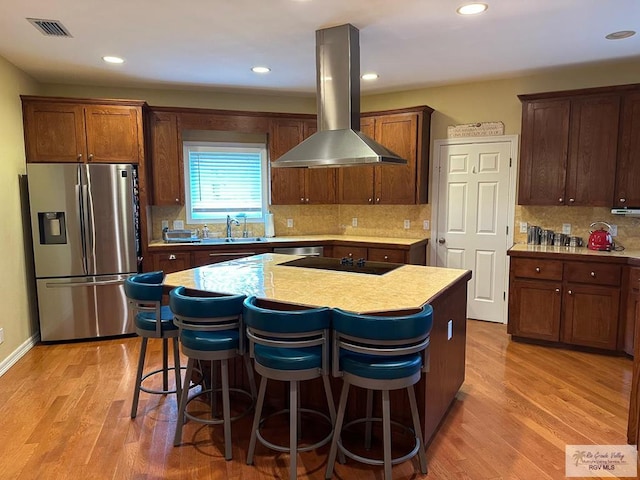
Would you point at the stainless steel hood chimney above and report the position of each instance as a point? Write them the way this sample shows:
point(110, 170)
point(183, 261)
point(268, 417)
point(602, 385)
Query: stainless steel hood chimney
point(338, 142)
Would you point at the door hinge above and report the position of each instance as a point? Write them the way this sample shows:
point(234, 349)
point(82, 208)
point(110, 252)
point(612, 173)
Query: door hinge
point(510, 160)
point(507, 229)
point(504, 296)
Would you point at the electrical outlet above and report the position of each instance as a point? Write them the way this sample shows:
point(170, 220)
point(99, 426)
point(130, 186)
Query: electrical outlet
point(425, 225)
point(178, 225)
point(566, 228)
point(1, 335)
point(289, 222)
point(165, 224)
point(613, 230)
point(354, 222)
point(407, 224)
point(523, 227)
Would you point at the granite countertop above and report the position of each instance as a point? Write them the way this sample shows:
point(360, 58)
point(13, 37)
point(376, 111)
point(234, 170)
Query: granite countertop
point(632, 256)
point(262, 275)
point(303, 238)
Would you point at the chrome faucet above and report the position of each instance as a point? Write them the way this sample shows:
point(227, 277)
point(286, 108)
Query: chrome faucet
point(231, 221)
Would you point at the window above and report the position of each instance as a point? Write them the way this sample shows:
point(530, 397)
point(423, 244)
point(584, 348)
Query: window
point(225, 179)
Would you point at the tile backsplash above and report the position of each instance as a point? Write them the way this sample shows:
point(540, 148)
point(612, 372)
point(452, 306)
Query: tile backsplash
point(371, 220)
point(580, 218)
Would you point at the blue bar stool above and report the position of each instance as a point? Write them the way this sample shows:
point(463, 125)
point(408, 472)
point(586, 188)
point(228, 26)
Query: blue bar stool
point(380, 352)
point(291, 344)
point(210, 330)
point(152, 320)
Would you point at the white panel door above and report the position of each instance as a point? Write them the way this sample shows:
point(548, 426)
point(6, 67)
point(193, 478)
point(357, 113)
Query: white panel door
point(473, 215)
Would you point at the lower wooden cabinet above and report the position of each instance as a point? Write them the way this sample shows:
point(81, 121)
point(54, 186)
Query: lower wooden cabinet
point(570, 302)
point(171, 261)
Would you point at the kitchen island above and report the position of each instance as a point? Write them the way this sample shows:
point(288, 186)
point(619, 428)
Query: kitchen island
point(407, 286)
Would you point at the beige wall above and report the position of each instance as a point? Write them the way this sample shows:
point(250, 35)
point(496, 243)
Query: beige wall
point(17, 319)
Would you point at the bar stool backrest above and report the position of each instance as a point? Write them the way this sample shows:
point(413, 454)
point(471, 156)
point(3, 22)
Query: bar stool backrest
point(207, 311)
point(144, 292)
point(382, 334)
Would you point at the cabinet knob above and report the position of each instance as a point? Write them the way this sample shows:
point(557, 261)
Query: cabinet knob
point(570, 292)
point(386, 257)
point(370, 200)
point(571, 200)
point(350, 254)
point(622, 200)
point(537, 269)
point(177, 200)
point(90, 157)
point(560, 200)
point(557, 290)
point(377, 200)
point(79, 156)
point(593, 274)
point(301, 199)
point(307, 200)
point(172, 257)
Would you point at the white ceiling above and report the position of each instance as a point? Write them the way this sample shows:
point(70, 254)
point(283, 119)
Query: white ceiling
point(214, 43)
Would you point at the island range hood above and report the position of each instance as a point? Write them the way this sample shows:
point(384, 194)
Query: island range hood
point(338, 142)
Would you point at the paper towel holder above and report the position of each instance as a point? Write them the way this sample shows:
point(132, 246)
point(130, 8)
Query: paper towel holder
point(269, 229)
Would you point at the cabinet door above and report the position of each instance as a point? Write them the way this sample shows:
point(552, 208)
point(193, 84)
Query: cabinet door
point(113, 133)
point(166, 160)
point(627, 193)
point(543, 153)
point(590, 316)
point(171, 262)
point(396, 184)
point(319, 183)
point(355, 184)
point(592, 151)
point(287, 184)
point(54, 132)
point(534, 309)
point(631, 308)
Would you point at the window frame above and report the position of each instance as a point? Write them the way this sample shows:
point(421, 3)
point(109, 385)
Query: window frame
point(257, 147)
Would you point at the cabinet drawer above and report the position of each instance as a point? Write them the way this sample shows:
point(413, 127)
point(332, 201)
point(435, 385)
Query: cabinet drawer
point(593, 273)
point(207, 257)
point(386, 255)
point(340, 251)
point(538, 269)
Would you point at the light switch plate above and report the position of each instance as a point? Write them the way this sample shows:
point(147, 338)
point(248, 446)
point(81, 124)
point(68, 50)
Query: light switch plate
point(613, 230)
point(354, 222)
point(566, 228)
point(407, 224)
point(178, 225)
point(523, 227)
point(425, 225)
point(289, 222)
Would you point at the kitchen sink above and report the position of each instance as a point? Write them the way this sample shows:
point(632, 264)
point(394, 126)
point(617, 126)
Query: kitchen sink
point(217, 241)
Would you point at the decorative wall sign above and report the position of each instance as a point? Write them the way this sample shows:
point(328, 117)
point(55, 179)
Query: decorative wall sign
point(484, 129)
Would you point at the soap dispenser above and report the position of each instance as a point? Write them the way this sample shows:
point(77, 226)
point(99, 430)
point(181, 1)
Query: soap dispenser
point(205, 231)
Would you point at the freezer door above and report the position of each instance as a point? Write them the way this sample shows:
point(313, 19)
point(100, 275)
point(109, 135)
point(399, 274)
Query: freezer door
point(110, 210)
point(84, 307)
point(56, 219)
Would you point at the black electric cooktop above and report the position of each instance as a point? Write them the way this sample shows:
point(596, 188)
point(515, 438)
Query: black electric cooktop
point(343, 265)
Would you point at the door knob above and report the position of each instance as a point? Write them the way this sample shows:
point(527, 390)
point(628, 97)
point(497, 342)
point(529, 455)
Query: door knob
point(441, 241)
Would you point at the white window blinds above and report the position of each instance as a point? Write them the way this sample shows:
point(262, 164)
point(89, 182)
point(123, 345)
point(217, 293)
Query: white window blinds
point(224, 180)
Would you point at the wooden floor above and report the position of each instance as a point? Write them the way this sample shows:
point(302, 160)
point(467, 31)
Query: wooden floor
point(64, 413)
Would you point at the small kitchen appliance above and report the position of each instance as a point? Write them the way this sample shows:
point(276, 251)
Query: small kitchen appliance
point(600, 239)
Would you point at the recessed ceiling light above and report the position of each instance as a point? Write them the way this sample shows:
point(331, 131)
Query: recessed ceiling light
point(111, 59)
point(620, 35)
point(260, 69)
point(472, 8)
point(370, 76)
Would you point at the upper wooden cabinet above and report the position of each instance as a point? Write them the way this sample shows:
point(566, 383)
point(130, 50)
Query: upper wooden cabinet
point(78, 130)
point(166, 152)
point(568, 150)
point(406, 133)
point(295, 186)
point(627, 193)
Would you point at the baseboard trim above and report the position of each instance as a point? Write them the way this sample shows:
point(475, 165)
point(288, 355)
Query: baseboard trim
point(18, 353)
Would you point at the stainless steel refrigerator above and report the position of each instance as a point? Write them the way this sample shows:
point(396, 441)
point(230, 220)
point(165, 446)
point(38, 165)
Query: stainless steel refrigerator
point(84, 220)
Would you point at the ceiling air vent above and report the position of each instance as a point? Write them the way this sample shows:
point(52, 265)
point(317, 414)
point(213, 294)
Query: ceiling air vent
point(50, 28)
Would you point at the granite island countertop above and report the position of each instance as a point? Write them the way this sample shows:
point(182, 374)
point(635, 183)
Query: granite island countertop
point(263, 276)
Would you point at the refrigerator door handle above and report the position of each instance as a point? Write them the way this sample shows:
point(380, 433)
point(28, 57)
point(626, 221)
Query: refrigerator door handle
point(89, 228)
point(84, 284)
point(79, 197)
